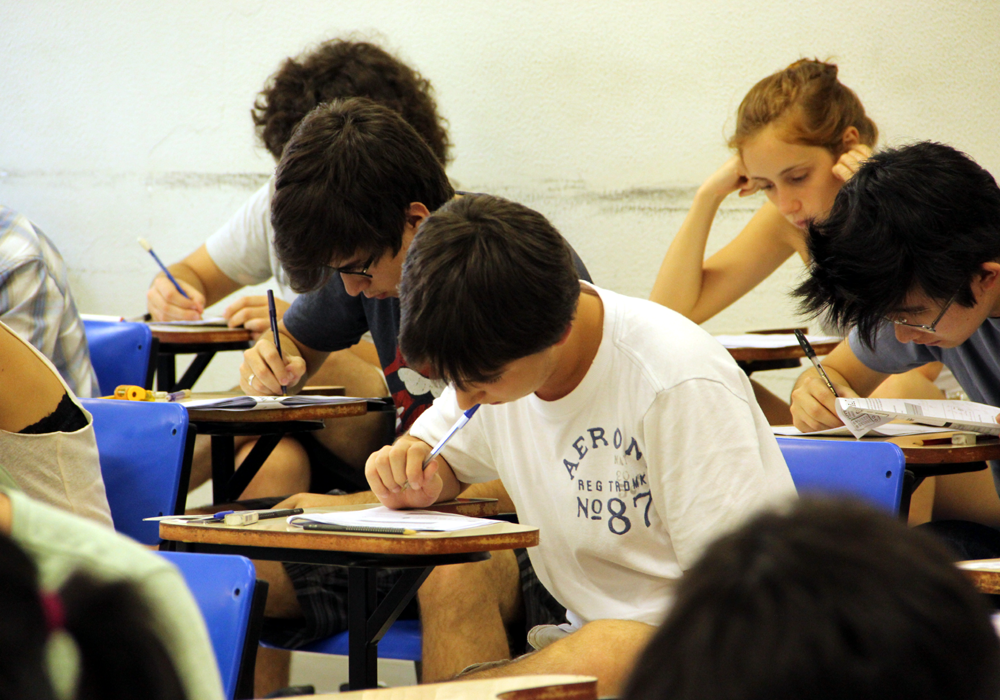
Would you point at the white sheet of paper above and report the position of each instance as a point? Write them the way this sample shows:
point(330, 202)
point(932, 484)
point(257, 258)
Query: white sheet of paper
point(256, 403)
point(771, 341)
point(887, 430)
point(211, 321)
point(421, 520)
point(863, 415)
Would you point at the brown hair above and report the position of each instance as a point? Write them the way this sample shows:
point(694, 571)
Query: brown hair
point(816, 107)
point(339, 69)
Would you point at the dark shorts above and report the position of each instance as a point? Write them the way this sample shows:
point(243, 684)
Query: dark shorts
point(322, 595)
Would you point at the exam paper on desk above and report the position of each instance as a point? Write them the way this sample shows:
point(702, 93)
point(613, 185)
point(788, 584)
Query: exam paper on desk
point(771, 341)
point(380, 516)
point(252, 403)
point(863, 415)
point(886, 430)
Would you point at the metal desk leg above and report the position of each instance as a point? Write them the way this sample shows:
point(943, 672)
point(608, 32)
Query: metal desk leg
point(366, 623)
point(910, 483)
point(165, 372)
point(194, 371)
point(223, 459)
point(237, 483)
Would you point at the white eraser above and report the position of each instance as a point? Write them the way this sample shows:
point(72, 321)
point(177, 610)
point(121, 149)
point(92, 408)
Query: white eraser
point(248, 517)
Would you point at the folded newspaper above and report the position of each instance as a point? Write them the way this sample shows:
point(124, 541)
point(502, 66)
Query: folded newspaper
point(863, 415)
point(254, 403)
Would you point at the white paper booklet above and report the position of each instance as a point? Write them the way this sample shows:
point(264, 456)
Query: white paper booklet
point(420, 520)
point(887, 430)
point(863, 415)
point(771, 340)
point(256, 403)
point(212, 321)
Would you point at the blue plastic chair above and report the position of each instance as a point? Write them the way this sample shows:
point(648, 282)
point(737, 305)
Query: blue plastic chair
point(401, 641)
point(871, 471)
point(145, 449)
point(232, 602)
point(121, 353)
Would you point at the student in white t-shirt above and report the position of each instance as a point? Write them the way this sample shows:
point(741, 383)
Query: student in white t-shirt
point(241, 253)
point(622, 430)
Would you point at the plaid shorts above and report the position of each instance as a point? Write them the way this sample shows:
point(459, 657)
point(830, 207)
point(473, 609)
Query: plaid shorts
point(322, 595)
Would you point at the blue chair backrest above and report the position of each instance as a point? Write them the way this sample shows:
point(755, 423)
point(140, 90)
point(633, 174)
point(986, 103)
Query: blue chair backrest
point(871, 471)
point(145, 461)
point(223, 586)
point(121, 353)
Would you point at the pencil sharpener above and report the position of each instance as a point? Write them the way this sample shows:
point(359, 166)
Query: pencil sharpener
point(241, 518)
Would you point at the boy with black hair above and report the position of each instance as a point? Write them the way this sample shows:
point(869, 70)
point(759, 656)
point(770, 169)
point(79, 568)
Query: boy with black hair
point(241, 253)
point(597, 412)
point(354, 184)
point(910, 258)
point(831, 600)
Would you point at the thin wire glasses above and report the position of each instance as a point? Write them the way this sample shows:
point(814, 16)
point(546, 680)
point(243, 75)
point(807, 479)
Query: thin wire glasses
point(932, 327)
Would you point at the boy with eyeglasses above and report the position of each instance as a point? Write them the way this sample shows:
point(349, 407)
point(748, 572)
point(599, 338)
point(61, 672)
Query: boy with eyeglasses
point(909, 258)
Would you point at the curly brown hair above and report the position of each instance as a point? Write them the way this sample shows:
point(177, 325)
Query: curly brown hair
point(340, 69)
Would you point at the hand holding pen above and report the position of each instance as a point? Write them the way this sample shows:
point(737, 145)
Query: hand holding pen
point(807, 348)
point(169, 300)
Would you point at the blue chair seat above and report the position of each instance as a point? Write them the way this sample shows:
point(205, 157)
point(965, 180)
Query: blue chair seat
point(402, 641)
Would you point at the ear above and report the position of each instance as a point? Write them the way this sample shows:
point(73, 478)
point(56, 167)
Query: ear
point(850, 138)
point(565, 335)
point(416, 213)
point(989, 275)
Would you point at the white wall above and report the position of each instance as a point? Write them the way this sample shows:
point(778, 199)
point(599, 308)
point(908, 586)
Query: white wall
point(131, 118)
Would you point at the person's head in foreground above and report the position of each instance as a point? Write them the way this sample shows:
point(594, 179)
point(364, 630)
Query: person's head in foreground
point(105, 626)
point(830, 600)
point(353, 185)
point(913, 239)
point(791, 130)
point(488, 290)
point(338, 69)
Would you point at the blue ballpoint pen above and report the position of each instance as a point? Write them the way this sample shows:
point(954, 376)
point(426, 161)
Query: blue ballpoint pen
point(272, 312)
point(459, 424)
point(149, 249)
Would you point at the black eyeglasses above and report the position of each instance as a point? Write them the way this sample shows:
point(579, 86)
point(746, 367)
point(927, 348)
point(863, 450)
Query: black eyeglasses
point(932, 328)
point(362, 272)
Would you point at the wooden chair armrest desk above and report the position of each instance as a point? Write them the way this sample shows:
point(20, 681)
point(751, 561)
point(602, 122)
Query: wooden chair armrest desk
point(753, 360)
point(555, 687)
point(984, 573)
point(270, 424)
point(923, 461)
point(202, 341)
point(362, 555)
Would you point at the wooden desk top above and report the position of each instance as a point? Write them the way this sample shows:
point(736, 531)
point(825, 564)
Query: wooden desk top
point(984, 573)
point(272, 415)
point(550, 687)
point(278, 533)
point(787, 353)
point(191, 335)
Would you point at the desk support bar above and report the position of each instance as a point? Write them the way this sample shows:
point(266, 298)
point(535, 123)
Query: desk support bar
point(368, 620)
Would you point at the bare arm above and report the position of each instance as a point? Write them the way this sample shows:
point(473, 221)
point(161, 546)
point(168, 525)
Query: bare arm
point(813, 405)
point(200, 277)
point(31, 391)
point(699, 288)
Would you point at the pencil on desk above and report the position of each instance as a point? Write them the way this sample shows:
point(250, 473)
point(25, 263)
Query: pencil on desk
point(273, 313)
point(372, 530)
point(149, 249)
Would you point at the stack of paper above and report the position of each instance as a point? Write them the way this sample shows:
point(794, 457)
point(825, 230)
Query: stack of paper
point(771, 341)
point(254, 403)
point(420, 520)
point(863, 415)
point(887, 430)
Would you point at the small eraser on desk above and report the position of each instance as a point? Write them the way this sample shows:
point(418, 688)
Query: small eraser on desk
point(963, 438)
point(246, 517)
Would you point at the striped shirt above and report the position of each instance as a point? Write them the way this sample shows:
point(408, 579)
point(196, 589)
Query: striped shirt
point(35, 301)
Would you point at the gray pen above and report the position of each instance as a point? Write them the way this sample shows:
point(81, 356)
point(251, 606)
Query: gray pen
point(807, 348)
